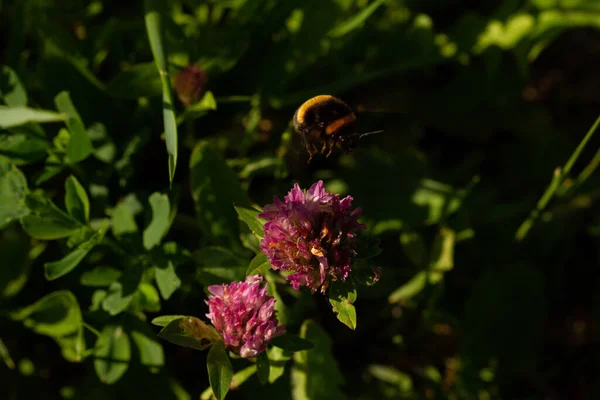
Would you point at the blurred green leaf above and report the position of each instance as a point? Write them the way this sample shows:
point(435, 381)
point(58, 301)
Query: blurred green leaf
point(15, 252)
point(189, 332)
point(11, 89)
point(259, 265)
point(238, 378)
point(342, 296)
point(56, 269)
point(291, 342)
point(220, 371)
point(121, 292)
point(149, 299)
point(154, 12)
point(414, 247)
point(56, 315)
point(262, 367)
point(164, 320)
point(76, 200)
point(440, 199)
point(47, 221)
point(122, 220)
point(215, 189)
point(411, 288)
point(393, 376)
point(356, 21)
point(250, 216)
point(24, 144)
point(166, 279)
point(15, 116)
point(278, 359)
point(112, 354)
point(315, 374)
point(80, 145)
point(149, 348)
point(13, 188)
point(139, 80)
point(100, 276)
point(159, 225)
point(207, 103)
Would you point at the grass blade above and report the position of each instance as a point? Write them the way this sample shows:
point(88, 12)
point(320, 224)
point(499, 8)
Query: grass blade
point(154, 14)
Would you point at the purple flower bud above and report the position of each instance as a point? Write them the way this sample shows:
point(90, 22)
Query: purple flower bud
point(189, 84)
point(244, 315)
point(312, 234)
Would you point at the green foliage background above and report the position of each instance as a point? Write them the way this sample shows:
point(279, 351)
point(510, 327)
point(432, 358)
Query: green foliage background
point(480, 102)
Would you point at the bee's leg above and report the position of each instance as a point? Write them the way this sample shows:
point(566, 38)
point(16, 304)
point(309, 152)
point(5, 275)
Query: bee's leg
point(331, 143)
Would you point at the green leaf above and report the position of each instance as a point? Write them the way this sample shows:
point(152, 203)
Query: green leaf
point(15, 252)
point(11, 89)
point(291, 343)
point(140, 80)
point(440, 199)
point(315, 374)
point(249, 216)
point(356, 21)
point(112, 354)
point(263, 368)
point(76, 200)
point(15, 116)
point(56, 315)
point(189, 332)
point(164, 320)
point(278, 359)
point(220, 371)
point(100, 276)
point(13, 188)
point(166, 279)
point(259, 265)
point(80, 144)
point(154, 12)
point(149, 299)
point(56, 269)
point(23, 145)
point(207, 103)
point(411, 288)
point(215, 188)
point(47, 221)
point(150, 350)
point(122, 220)
point(238, 379)
point(159, 225)
point(342, 295)
point(121, 292)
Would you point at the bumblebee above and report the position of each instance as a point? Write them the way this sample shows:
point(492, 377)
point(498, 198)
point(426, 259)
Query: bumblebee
point(326, 121)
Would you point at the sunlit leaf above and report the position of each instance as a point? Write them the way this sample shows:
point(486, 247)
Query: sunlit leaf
point(121, 292)
point(13, 188)
point(100, 276)
point(56, 269)
point(166, 279)
point(342, 296)
point(249, 216)
point(47, 221)
point(112, 354)
point(220, 371)
point(154, 14)
point(189, 332)
point(15, 116)
point(80, 145)
point(259, 265)
point(315, 374)
point(76, 200)
point(12, 90)
point(157, 228)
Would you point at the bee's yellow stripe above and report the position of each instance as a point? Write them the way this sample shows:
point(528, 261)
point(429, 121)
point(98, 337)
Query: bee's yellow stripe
point(309, 103)
point(338, 123)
